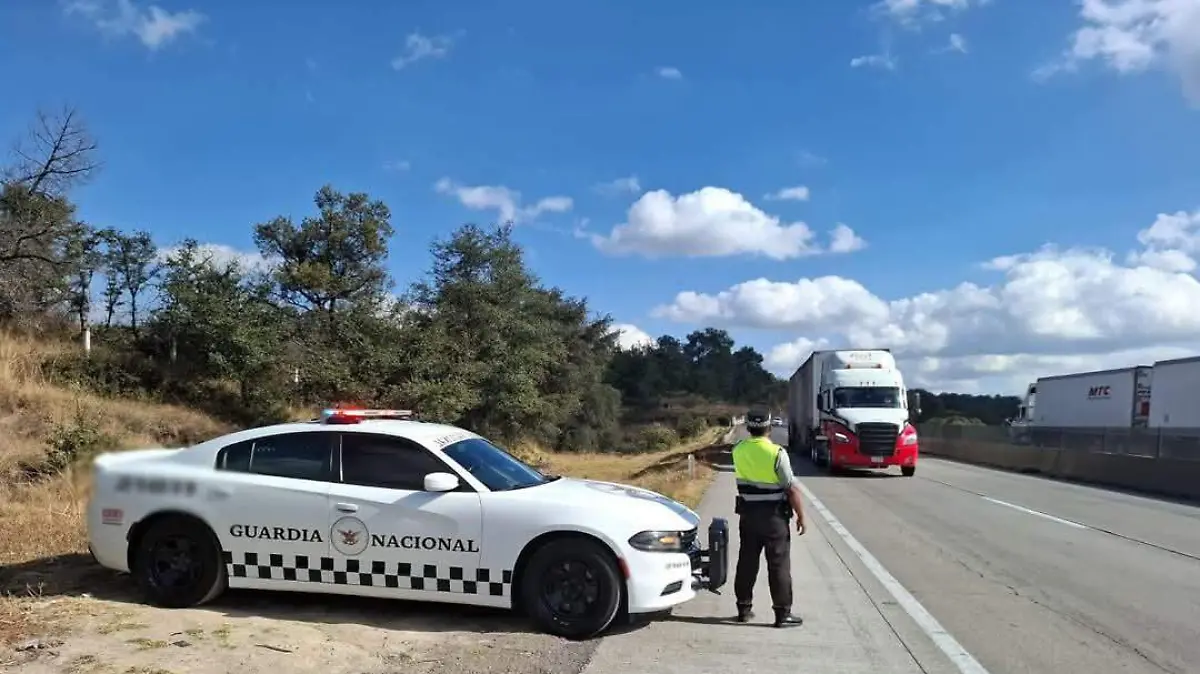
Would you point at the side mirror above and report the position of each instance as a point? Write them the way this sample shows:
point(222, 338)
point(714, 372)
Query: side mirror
point(441, 482)
point(914, 405)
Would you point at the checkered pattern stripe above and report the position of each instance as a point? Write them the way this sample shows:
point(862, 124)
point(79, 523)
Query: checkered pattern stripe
point(399, 575)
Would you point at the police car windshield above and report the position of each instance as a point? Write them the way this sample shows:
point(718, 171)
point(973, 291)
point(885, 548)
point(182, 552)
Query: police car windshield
point(495, 468)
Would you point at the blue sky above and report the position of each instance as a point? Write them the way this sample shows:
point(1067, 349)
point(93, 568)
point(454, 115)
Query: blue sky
point(945, 133)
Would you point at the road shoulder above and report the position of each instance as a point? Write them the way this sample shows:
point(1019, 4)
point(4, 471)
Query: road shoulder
point(844, 630)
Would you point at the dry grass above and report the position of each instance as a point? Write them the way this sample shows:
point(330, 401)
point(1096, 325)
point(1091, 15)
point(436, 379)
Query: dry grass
point(42, 524)
point(31, 407)
point(665, 472)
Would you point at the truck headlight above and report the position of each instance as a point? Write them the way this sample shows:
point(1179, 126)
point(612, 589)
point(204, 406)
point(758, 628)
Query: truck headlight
point(658, 541)
point(841, 437)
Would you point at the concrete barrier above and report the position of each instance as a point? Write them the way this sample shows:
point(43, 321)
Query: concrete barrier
point(1165, 477)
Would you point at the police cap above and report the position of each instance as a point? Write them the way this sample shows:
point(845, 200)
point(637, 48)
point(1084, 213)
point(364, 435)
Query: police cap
point(758, 418)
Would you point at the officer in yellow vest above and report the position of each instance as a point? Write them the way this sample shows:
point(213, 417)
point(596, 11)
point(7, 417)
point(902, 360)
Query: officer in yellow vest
point(768, 495)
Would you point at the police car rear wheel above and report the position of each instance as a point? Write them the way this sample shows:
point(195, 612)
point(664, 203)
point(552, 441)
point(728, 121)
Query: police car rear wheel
point(177, 563)
point(572, 588)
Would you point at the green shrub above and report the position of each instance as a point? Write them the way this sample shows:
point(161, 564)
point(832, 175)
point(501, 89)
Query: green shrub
point(69, 443)
point(656, 437)
point(689, 425)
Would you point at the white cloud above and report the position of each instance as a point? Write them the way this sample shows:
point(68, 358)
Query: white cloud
point(911, 13)
point(398, 165)
point(222, 254)
point(881, 61)
point(808, 159)
point(153, 26)
point(710, 222)
point(506, 202)
point(1131, 36)
point(957, 43)
point(631, 336)
point(843, 239)
point(627, 185)
point(418, 47)
point(668, 73)
point(1053, 311)
point(797, 193)
point(785, 358)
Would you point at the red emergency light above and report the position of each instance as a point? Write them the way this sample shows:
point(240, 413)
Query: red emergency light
point(354, 415)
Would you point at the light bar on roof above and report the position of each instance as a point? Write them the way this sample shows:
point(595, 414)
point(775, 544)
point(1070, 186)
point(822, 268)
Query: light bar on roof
point(354, 416)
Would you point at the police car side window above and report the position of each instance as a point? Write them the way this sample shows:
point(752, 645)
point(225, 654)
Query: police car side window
point(236, 457)
point(303, 456)
point(386, 461)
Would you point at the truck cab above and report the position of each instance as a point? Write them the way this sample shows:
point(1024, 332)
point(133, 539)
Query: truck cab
point(866, 413)
point(1019, 426)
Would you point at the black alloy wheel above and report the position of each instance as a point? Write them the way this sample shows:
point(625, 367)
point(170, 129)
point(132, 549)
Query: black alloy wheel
point(177, 563)
point(572, 588)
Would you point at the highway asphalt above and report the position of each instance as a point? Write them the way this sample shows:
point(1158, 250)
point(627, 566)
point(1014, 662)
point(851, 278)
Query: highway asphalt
point(957, 569)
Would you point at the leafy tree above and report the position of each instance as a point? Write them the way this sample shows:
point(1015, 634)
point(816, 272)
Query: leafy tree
point(37, 220)
point(706, 364)
point(991, 410)
point(217, 325)
point(130, 263)
point(85, 253)
point(332, 259)
point(492, 349)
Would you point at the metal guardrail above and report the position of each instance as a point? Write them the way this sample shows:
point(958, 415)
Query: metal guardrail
point(1180, 444)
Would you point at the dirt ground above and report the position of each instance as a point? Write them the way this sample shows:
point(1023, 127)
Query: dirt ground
point(62, 613)
point(98, 625)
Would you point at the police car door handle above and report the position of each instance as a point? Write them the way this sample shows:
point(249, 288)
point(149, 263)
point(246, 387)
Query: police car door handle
point(347, 507)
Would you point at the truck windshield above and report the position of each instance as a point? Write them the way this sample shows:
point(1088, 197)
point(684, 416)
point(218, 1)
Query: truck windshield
point(495, 468)
point(867, 396)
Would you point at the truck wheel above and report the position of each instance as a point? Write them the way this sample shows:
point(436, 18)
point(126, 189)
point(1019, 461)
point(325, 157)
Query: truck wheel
point(571, 588)
point(177, 563)
point(908, 471)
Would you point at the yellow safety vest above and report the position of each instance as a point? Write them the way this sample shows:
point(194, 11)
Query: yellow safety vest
point(754, 467)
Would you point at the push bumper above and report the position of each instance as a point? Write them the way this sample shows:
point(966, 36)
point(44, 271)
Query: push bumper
point(710, 568)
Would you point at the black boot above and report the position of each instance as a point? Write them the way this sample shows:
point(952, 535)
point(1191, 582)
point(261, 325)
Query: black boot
point(784, 618)
point(744, 614)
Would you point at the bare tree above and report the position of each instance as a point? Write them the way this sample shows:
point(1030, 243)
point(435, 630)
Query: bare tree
point(38, 227)
point(57, 154)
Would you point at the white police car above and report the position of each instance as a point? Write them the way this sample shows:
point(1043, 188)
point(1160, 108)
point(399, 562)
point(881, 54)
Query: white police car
point(363, 502)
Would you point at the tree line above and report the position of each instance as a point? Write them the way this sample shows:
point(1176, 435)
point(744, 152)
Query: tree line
point(478, 341)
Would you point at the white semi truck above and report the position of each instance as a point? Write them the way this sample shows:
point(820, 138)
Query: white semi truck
point(1102, 399)
point(1175, 404)
point(851, 409)
point(1018, 426)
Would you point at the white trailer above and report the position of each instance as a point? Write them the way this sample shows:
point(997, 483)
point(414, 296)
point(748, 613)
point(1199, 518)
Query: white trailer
point(1175, 403)
point(1102, 399)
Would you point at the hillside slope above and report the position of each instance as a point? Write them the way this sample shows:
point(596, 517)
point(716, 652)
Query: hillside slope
point(49, 429)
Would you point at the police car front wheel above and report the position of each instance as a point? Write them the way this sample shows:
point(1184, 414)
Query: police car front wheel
point(177, 563)
point(572, 588)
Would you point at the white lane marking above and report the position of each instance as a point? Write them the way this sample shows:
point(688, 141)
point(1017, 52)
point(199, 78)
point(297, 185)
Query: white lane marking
point(964, 661)
point(1036, 513)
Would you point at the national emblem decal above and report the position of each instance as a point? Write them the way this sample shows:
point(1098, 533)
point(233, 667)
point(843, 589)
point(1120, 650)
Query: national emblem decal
point(350, 536)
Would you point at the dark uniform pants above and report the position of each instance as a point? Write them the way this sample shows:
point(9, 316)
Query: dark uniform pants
point(767, 532)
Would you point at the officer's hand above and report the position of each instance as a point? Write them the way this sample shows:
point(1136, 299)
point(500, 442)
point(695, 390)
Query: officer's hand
point(799, 526)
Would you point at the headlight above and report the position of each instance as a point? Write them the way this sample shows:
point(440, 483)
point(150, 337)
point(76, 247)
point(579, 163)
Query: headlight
point(658, 541)
point(841, 437)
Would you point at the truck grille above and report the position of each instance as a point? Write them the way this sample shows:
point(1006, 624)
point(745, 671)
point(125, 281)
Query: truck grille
point(877, 439)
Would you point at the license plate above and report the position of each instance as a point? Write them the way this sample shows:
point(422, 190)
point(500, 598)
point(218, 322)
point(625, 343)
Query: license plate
point(877, 460)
